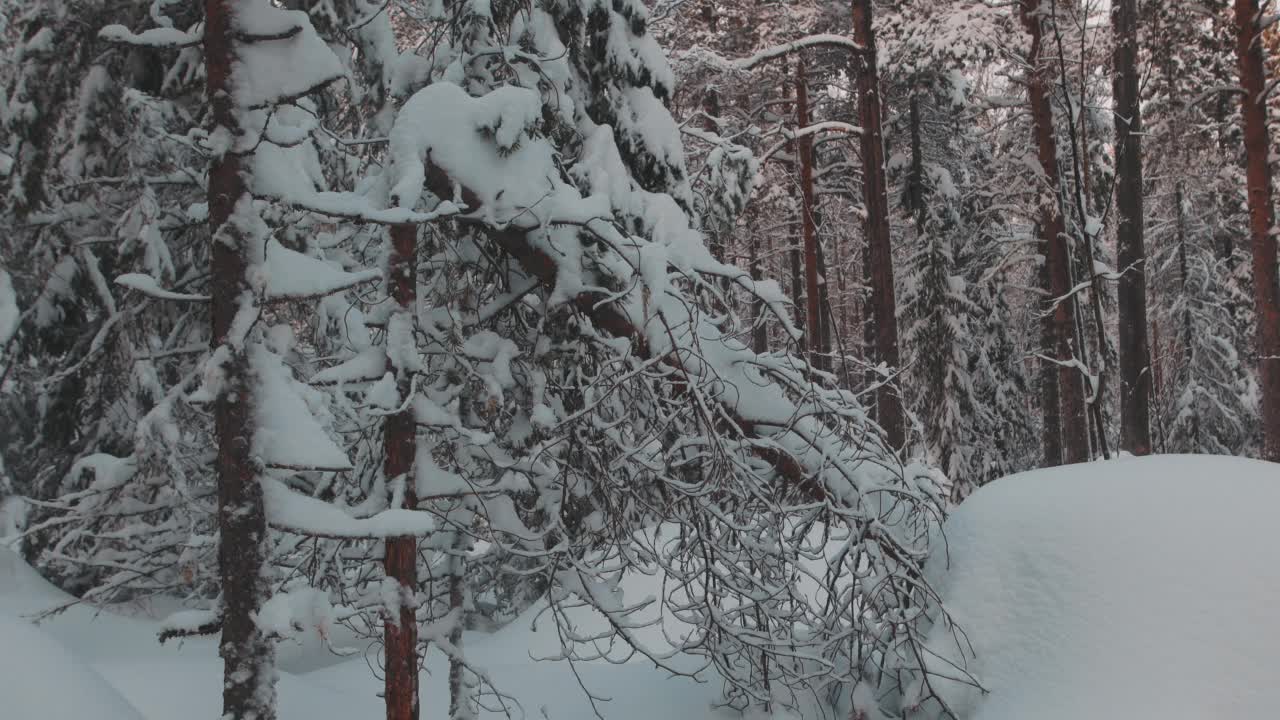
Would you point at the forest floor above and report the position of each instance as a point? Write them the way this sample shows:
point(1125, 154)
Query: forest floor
point(85, 663)
point(1132, 588)
point(1136, 588)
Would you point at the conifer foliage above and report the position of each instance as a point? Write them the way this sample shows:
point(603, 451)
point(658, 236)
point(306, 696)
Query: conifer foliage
point(412, 316)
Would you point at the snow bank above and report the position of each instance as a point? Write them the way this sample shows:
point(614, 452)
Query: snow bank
point(1136, 588)
point(184, 679)
point(39, 678)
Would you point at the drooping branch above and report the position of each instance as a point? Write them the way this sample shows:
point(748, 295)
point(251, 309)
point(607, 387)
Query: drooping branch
point(606, 316)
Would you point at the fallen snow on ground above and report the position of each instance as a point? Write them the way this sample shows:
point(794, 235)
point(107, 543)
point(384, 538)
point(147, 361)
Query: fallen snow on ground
point(40, 678)
point(123, 673)
point(1136, 588)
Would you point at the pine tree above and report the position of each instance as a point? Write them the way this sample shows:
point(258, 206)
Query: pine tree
point(1266, 285)
point(1135, 364)
point(1061, 306)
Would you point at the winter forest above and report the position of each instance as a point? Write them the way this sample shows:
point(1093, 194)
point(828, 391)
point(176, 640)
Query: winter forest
point(619, 359)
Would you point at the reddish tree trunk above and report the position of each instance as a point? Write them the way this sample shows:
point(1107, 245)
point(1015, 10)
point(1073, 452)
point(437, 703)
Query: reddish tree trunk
point(796, 246)
point(876, 197)
point(248, 667)
point(1070, 391)
point(399, 447)
point(1135, 373)
point(1050, 408)
point(1266, 293)
point(760, 332)
point(809, 230)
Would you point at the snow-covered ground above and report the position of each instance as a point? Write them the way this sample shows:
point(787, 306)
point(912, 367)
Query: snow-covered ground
point(1137, 588)
point(86, 664)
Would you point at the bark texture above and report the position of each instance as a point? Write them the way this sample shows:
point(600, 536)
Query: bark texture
point(1135, 373)
point(808, 227)
point(1051, 424)
point(248, 656)
point(1070, 407)
point(400, 632)
point(1266, 293)
point(884, 309)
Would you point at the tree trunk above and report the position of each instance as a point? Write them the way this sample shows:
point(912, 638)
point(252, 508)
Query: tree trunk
point(824, 301)
point(1266, 293)
point(1188, 349)
point(759, 331)
point(1135, 374)
point(711, 107)
point(795, 242)
point(875, 195)
point(399, 447)
point(809, 230)
point(458, 692)
point(1050, 407)
point(1074, 423)
point(797, 288)
point(915, 178)
point(248, 689)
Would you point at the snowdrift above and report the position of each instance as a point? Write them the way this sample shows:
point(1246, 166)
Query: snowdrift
point(1136, 588)
point(91, 663)
point(40, 678)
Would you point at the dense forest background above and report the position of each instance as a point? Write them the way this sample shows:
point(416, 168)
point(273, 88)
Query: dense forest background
point(429, 311)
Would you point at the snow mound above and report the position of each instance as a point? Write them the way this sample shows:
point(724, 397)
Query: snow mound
point(39, 678)
point(1135, 588)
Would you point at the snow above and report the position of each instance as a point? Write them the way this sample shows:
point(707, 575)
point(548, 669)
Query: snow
point(36, 672)
point(108, 664)
point(365, 366)
point(160, 37)
point(305, 515)
point(285, 59)
point(288, 433)
point(445, 125)
point(148, 285)
point(1132, 588)
point(303, 609)
point(9, 311)
point(291, 275)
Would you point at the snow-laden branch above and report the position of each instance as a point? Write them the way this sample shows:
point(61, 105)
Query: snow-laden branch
point(800, 450)
point(824, 40)
point(302, 515)
point(158, 37)
point(720, 63)
point(1075, 363)
point(148, 285)
point(821, 127)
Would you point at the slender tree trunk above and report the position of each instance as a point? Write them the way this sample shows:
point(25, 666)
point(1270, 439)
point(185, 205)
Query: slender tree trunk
point(458, 695)
point(1074, 423)
point(248, 689)
point(876, 197)
point(1188, 349)
point(824, 301)
point(915, 179)
point(1050, 406)
point(1135, 356)
point(399, 439)
point(797, 286)
point(711, 106)
point(760, 331)
point(1266, 293)
point(809, 230)
point(795, 241)
point(870, 353)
